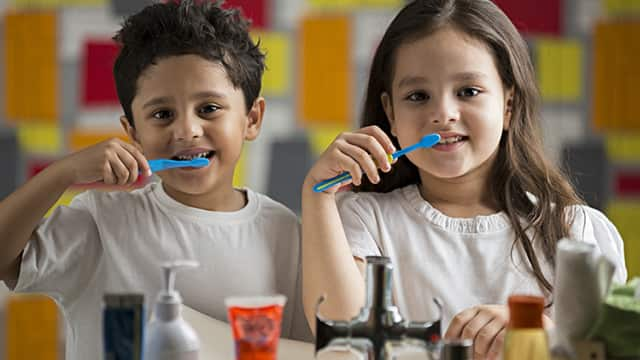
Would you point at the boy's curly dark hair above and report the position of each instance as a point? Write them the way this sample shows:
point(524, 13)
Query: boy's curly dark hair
point(188, 27)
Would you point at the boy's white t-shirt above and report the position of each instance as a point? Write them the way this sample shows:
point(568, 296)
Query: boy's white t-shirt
point(116, 241)
point(464, 262)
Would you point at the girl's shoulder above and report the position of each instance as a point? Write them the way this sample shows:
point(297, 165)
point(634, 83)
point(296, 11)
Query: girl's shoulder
point(375, 199)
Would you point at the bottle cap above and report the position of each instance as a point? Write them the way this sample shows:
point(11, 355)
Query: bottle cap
point(525, 311)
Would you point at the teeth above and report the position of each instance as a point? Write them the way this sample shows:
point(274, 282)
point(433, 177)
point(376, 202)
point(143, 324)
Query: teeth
point(450, 140)
point(189, 157)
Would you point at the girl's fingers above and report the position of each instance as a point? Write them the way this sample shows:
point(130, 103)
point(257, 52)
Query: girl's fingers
point(362, 158)
point(486, 336)
point(373, 147)
point(473, 327)
point(497, 345)
point(347, 163)
point(458, 323)
point(381, 136)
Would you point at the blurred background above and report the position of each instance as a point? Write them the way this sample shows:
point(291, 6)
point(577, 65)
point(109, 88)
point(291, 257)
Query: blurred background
point(58, 96)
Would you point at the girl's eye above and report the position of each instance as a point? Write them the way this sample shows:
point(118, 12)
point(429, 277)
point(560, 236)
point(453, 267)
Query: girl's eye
point(162, 115)
point(208, 109)
point(468, 92)
point(417, 96)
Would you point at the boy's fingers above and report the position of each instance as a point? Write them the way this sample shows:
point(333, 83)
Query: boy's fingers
point(143, 164)
point(119, 169)
point(131, 164)
point(108, 176)
point(473, 327)
point(458, 323)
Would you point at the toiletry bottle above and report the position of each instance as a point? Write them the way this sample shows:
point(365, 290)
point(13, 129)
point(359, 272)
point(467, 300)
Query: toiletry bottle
point(168, 336)
point(525, 338)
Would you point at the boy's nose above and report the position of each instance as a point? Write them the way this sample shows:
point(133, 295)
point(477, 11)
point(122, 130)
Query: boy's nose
point(187, 128)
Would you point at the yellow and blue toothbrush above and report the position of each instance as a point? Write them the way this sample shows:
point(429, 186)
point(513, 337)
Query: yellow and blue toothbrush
point(163, 164)
point(426, 142)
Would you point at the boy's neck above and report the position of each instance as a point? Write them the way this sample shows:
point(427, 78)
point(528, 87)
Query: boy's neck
point(463, 197)
point(227, 199)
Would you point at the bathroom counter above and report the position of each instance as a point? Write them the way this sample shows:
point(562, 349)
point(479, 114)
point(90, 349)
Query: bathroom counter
point(217, 342)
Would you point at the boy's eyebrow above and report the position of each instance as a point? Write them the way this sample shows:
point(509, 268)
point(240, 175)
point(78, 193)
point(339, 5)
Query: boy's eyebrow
point(408, 81)
point(166, 99)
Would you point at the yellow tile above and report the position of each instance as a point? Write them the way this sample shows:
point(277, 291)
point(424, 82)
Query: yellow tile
point(559, 69)
point(320, 137)
point(55, 3)
point(325, 62)
point(239, 174)
point(39, 138)
point(80, 139)
point(623, 147)
point(276, 79)
point(31, 69)
point(624, 215)
point(32, 328)
point(64, 200)
point(621, 7)
point(616, 75)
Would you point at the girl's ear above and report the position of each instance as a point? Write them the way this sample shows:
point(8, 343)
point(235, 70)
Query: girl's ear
point(387, 105)
point(508, 109)
point(131, 132)
point(254, 119)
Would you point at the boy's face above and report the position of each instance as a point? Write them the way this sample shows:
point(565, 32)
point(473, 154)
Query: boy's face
point(185, 106)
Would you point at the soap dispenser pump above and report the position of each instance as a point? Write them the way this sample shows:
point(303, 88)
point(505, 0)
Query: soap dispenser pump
point(168, 336)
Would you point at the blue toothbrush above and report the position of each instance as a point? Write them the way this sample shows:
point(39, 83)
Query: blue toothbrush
point(163, 164)
point(426, 142)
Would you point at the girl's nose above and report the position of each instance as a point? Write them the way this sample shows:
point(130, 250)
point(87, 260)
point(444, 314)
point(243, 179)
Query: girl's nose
point(187, 128)
point(445, 110)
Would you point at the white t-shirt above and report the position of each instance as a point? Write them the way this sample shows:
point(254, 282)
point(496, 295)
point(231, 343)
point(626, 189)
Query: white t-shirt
point(116, 242)
point(464, 262)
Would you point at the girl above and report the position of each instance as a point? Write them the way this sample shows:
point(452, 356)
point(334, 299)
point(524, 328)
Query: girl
point(471, 220)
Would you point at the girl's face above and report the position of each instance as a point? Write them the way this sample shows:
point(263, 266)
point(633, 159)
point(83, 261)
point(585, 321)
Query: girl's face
point(448, 83)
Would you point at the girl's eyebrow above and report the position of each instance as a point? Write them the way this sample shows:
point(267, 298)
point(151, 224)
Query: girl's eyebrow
point(409, 81)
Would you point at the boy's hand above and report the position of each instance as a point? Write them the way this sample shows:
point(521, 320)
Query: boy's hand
point(112, 162)
point(356, 152)
point(486, 325)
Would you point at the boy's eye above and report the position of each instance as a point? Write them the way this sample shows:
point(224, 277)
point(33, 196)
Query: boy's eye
point(162, 114)
point(417, 96)
point(209, 108)
point(468, 92)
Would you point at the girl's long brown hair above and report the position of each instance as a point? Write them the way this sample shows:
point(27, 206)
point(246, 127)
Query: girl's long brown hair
point(520, 167)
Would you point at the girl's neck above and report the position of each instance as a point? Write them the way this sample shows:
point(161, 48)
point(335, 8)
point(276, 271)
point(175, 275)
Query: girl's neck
point(463, 197)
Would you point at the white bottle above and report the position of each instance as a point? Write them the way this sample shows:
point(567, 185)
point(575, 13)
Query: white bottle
point(167, 335)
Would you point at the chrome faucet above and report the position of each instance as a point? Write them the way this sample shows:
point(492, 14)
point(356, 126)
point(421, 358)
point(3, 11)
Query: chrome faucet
point(379, 327)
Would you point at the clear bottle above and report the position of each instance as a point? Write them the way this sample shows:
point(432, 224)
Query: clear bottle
point(168, 336)
point(525, 338)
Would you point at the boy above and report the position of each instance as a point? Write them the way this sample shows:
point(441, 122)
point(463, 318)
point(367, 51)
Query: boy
point(188, 77)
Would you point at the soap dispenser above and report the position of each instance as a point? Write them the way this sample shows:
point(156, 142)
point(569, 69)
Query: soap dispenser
point(168, 336)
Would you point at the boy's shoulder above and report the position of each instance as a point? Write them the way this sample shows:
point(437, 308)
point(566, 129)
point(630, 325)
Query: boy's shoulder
point(271, 208)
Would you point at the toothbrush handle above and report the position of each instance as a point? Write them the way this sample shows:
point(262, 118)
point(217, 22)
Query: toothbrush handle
point(326, 184)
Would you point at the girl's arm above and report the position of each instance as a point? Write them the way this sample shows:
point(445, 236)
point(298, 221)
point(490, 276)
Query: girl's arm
point(328, 267)
point(112, 161)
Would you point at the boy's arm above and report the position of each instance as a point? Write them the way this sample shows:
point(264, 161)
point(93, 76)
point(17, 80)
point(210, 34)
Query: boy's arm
point(112, 162)
point(329, 268)
point(21, 212)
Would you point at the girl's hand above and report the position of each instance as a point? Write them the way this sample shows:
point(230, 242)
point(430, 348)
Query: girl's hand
point(486, 325)
point(356, 152)
point(112, 162)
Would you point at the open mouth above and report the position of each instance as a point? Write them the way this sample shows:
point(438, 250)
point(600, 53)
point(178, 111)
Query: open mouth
point(452, 140)
point(206, 155)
